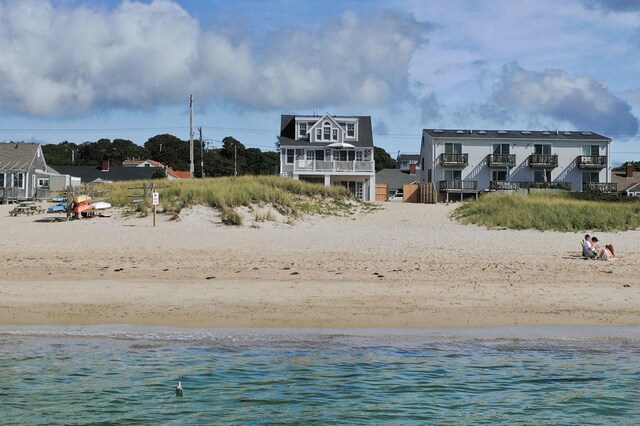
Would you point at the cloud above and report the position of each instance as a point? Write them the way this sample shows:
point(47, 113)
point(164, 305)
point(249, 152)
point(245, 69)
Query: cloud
point(430, 109)
point(581, 101)
point(71, 61)
point(613, 5)
point(381, 128)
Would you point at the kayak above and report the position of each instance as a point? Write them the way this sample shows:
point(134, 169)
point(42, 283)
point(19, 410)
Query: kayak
point(101, 205)
point(81, 199)
point(82, 208)
point(58, 208)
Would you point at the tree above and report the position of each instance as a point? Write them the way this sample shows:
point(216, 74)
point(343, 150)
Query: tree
point(62, 154)
point(383, 159)
point(169, 150)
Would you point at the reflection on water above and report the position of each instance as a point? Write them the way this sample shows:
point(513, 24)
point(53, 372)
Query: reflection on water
point(307, 378)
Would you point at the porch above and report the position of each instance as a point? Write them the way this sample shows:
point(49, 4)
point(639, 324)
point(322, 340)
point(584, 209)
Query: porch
point(458, 187)
point(600, 187)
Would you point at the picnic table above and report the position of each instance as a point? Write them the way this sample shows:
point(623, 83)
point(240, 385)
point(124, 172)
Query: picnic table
point(26, 208)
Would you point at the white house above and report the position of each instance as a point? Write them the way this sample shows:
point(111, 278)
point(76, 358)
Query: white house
point(469, 161)
point(330, 150)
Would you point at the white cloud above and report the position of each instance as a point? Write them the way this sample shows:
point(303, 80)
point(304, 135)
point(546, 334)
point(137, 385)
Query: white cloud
point(63, 61)
point(581, 101)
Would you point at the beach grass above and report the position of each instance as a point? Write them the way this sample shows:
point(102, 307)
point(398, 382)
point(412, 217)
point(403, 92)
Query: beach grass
point(289, 197)
point(549, 212)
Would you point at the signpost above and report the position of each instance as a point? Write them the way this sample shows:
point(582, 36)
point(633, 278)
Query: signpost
point(155, 197)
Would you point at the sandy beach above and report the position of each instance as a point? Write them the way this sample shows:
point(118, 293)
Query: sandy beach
point(402, 266)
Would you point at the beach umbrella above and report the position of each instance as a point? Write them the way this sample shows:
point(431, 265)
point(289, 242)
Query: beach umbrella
point(340, 145)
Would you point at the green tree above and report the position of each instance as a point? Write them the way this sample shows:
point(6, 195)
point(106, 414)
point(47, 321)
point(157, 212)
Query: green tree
point(62, 154)
point(383, 159)
point(169, 150)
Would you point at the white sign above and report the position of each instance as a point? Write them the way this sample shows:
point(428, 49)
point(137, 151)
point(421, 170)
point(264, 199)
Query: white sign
point(156, 198)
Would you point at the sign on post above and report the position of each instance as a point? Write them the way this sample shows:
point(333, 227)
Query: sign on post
point(156, 198)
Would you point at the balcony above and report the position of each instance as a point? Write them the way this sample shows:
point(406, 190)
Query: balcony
point(334, 166)
point(502, 160)
point(502, 185)
point(454, 160)
point(592, 161)
point(543, 161)
point(459, 185)
point(599, 187)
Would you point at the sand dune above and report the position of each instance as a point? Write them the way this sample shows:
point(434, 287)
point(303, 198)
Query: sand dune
point(405, 265)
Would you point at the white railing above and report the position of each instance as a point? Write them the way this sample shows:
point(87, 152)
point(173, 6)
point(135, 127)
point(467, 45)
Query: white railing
point(334, 166)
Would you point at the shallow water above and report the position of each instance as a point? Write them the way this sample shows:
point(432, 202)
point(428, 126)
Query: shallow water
point(317, 377)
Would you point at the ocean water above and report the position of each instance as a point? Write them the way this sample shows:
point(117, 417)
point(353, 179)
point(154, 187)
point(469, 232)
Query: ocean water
point(127, 376)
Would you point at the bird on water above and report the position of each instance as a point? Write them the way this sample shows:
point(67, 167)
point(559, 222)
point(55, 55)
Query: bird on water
point(179, 389)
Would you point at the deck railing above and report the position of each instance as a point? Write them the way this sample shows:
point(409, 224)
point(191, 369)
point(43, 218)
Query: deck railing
point(502, 160)
point(334, 166)
point(592, 161)
point(458, 185)
point(454, 159)
point(543, 160)
point(600, 187)
point(502, 185)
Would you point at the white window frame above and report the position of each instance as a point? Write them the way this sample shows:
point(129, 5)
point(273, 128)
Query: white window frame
point(359, 156)
point(286, 156)
point(543, 145)
point(334, 134)
point(20, 178)
point(43, 182)
point(326, 131)
point(319, 134)
point(351, 134)
point(302, 133)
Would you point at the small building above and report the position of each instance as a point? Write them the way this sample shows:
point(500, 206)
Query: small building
point(24, 174)
point(469, 161)
point(329, 150)
point(171, 174)
point(627, 181)
point(107, 173)
point(408, 163)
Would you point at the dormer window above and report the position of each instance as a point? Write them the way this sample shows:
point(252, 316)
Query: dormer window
point(351, 130)
point(326, 131)
point(302, 130)
point(334, 134)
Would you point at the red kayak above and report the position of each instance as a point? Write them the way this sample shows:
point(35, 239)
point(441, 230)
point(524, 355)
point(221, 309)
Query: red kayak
point(82, 208)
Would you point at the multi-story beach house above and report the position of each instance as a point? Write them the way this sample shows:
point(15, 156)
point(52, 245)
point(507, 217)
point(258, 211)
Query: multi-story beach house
point(469, 161)
point(330, 150)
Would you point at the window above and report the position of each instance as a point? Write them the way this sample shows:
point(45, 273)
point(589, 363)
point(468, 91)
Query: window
point(359, 191)
point(311, 155)
point(540, 149)
point(590, 177)
point(359, 156)
point(542, 175)
point(351, 130)
point(499, 175)
point(1, 180)
point(320, 155)
point(326, 131)
point(501, 148)
point(590, 150)
point(334, 134)
point(18, 180)
point(453, 148)
point(302, 130)
point(290, 156)
point(319, 134)
point(453, 175)
point(43, 182)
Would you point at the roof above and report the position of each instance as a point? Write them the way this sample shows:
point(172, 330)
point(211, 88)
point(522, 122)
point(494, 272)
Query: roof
point(515, 134)
point(408, 157)
point(178, 175)
point(17, 156)
point(395, 178)
point(288, 131)
point(115, 173)
point(634, 188)
point(624, 183)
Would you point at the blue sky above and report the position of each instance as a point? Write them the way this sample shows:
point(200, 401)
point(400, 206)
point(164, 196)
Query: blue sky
point(83, 70)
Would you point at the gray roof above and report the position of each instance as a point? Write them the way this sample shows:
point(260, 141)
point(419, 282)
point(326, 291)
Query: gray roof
point(514, 134)
point(114, 174)
point(395, 178)
point(288, 131)
point(17, 156)
point(408, 157)
point(634, 188)
point(624, 182)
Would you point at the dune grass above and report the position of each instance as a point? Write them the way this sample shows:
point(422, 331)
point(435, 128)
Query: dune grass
point(290, 197)
point(549, 212)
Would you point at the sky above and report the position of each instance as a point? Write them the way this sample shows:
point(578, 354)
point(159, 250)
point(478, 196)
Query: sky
point(78, 71)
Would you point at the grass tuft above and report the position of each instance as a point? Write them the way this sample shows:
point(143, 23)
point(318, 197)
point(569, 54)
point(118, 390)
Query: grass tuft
point(549, 212)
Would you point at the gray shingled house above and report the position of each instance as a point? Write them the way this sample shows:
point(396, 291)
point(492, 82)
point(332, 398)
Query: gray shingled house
point(22, 172)
point(329, 150)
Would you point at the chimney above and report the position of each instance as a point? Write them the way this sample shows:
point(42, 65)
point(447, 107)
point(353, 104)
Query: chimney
point(105, 166)
point(412, 169)
point(630, 168)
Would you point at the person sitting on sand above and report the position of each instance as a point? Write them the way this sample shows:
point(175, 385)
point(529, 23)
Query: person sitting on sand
point(587, 248)
point(608, 253)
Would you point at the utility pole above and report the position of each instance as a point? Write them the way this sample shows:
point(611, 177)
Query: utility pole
point(201, 153)
point(191, 166)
